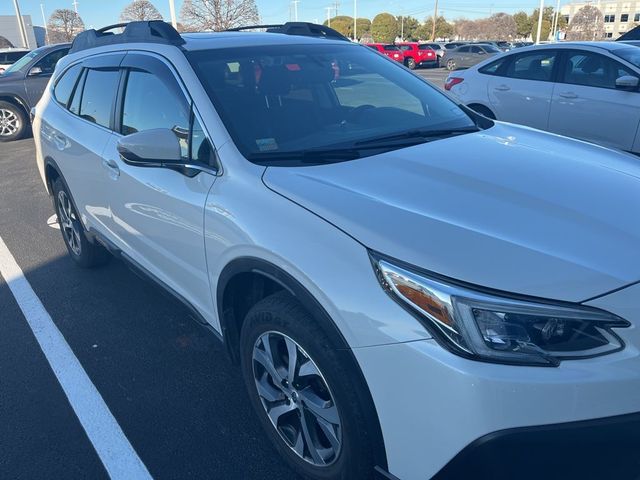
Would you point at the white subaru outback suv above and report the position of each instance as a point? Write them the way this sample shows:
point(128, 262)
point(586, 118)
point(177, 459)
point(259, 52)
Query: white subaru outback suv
point(410, 289)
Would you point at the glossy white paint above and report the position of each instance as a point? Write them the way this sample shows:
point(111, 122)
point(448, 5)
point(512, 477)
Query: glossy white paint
point(604, 116)
point(509, 208)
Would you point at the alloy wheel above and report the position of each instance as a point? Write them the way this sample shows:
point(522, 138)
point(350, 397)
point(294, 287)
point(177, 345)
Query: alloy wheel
point(451, 65)
point(69, 223)
point(296, 398)
point(9, 122)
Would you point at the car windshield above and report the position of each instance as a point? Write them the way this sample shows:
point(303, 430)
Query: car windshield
point(21, 63)
point(277, 101)
point(630, 54)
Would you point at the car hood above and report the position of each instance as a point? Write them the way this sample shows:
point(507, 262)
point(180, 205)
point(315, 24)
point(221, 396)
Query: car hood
point(508, 208)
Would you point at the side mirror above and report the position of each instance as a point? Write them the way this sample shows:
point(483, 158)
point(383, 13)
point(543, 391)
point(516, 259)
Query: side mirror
point(35, 71)
point(159, 147)
point(628, 82)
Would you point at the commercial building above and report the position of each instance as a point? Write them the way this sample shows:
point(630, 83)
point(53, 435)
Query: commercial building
point(620, 16)
point(10, 30)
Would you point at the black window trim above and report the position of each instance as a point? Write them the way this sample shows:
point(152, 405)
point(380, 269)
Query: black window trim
point(73, 89)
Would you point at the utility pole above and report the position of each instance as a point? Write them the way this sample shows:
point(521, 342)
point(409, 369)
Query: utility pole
point(172, 10)
point(328, 9)
point(539, 22)
point(435, 19)
point(295, 9)
point(75, 6)
point(44, 22)
point(355, 20)
point(21, 27)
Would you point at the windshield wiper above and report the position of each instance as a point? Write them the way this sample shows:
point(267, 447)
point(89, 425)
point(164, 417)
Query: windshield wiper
point(418, 134)
point(306, 156)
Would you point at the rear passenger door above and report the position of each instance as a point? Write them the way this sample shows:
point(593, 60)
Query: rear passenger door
point(587, 105)
point(158, 213)
point(85, 98)
point(520, 91)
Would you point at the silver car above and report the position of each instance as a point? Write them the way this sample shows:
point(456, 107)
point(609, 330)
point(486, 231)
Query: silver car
point(469, 55)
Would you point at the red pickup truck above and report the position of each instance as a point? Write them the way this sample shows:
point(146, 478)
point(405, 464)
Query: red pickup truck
point(391, 51)
point(416, 54)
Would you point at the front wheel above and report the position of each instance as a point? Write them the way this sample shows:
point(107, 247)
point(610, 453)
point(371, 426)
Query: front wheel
point(304, 396)
point(451, 65)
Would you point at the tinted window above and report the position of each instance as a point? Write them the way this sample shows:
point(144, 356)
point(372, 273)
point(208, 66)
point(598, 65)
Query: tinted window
point(142, 110)
point(18, 65)
point(532, 66)
point(464, 49)
point(494, 68)
point(48, 63)
point(405, 48)
point(427, 47)
point(593, 70)
point(74, 106)
point(14, 56)
point(630, 54)
point(99, 92)
point(292, 98)
point(392, 47)
point(64, 87)
point(476, 50)
point(201, 149)
point(491, 49)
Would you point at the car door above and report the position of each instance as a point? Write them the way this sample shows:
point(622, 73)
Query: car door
point(461, 55)
point(586, 103)
point(520, 91)
point(83, 127)
point(158, 213)
point(35, 83)
point(476, 55)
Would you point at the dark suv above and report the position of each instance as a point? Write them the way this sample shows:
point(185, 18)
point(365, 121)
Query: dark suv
point(22, 85)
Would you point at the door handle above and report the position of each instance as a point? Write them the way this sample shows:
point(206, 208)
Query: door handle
point(503, 88)
point(568, 95)
point(60, 141)
point(112, 166)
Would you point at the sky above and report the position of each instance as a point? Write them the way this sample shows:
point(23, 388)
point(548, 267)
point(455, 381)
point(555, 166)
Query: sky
point(98, 13)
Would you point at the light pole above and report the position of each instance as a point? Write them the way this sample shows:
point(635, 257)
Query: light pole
point(295, 9)
point(21, 27)
point(44, 22)
point(328, 9)
point(435, 19)
point(539, 22)
point(556, 19)
point(355, 20)
point(75, 6)
point(172, 10)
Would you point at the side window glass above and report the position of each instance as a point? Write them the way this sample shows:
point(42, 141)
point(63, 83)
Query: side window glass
point(149, 103)
point(201, 148)
point(494, 68)
point(476, 50)
point(100, 87)
point(532, 66)
point(48, 63)
point(593, 70)
point(64, 87)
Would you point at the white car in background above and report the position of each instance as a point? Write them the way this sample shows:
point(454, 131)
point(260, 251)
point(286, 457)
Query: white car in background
point(8, 56)
point(585, 90)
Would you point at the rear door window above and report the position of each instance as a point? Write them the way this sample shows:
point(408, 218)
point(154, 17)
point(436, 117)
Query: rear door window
point(64, 87)
point(98, 96)
point(532, 66)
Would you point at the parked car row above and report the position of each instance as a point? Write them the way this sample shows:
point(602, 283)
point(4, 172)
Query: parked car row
point(583, 90)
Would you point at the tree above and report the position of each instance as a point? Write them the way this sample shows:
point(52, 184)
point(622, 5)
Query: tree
point(385, 28)
point(501, 26)
point(524, 24)
point(64, 25)
point(140, 10)
point(218, 15)
point(364, 26)
point(409, 28)
point(342, 24)
point(443, 29)
point(547, 22)
point(586, 24)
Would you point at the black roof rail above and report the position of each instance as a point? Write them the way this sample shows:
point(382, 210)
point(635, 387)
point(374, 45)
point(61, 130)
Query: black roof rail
point(304, 29)
point(154, 31)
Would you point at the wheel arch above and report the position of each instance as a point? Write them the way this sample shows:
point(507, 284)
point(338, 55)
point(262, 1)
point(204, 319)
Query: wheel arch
point(16, 100)
point(246, 280)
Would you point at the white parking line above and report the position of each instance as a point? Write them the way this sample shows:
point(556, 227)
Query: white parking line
point(116, 453)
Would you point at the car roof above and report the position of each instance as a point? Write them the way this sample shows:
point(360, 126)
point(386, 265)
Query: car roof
point(218, 40)
point(608, 46)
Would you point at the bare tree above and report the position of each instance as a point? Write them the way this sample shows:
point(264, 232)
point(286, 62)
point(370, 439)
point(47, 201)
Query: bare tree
point(586, 24)
point(64, 25)
point(4, 43)
point(501, 26)
point(140, 10)
point(199, 15)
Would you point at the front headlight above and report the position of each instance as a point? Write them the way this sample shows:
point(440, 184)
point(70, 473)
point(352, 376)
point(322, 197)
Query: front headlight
point(500, 329)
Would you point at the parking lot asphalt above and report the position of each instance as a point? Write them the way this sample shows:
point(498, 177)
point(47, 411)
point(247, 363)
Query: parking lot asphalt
point(437, 76)
point(165, 379)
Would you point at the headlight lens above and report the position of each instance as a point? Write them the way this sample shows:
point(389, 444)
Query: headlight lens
point(499, 329)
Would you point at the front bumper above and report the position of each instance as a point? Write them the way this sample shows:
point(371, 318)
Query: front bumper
point(607, 448)
point(434, 407)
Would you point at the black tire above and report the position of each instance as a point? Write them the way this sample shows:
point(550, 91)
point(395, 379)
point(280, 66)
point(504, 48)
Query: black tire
point(411, 63)
point(83, 252)
point(482, 110)
point(13, 122)
point(280, 313)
